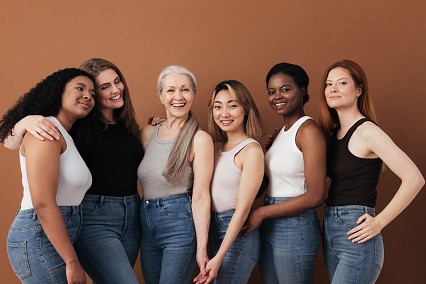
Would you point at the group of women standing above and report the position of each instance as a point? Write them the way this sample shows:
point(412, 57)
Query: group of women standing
point(197, 198)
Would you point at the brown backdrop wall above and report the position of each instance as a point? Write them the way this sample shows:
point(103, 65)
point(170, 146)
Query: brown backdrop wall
point(232, 40)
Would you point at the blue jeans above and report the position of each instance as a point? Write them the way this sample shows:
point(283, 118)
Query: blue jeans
point(349, 262)
point(241, 257)
point(31, 254)
point(108, 243)
point(289, 246)
point(168, 242)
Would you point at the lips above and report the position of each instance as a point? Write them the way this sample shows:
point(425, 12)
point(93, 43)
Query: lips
point(178, 105)
point(226, 122)
point(115, 98)
point(86, 105)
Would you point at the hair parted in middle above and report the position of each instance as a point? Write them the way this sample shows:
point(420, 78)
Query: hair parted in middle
point(252, 121)
point(328, 119)
point(181, 151)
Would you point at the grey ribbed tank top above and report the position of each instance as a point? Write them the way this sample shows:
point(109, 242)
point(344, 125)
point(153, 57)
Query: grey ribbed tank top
point(150, 170)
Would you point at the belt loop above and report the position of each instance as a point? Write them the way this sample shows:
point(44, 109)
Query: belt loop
point(101, 200)
point(34, 215)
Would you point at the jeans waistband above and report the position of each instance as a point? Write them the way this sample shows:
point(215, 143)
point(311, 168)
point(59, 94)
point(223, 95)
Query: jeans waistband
point(183, 197)
point(336, 210)
point(111, 199)
point(32, 214)
point(223, 214)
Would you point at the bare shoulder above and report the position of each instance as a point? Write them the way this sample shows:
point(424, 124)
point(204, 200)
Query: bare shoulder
point(310, 129)
point(253, 150)
point(202, 138)
point(31, 143)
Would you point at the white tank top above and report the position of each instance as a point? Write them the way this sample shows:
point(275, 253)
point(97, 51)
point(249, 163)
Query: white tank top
point(225, 183)
point(284, 164)
point(74, 176)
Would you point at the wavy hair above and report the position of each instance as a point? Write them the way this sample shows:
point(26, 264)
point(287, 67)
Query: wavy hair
point(181, 151)
point(252, 122)
point(44, 99)
point(126, 114)
point(328, 118)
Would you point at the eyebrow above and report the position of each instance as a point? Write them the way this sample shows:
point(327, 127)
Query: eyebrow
point(289, 85)
point(230, 101)
point(339, 79)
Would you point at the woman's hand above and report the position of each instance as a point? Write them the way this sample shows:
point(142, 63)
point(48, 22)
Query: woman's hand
point(368, 227)
point(40, 127)
point(75, 274)
point(270, 139)
point(212, 269)
point(155, 120)
point(253, 221)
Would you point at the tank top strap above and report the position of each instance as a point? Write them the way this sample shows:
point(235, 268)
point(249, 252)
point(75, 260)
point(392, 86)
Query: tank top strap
point(154, 134)
point(351, 130)
point(244, 143)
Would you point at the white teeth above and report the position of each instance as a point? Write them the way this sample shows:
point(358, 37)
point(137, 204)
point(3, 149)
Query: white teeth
point(280, 104)
point(178, 105)
point(117, 97)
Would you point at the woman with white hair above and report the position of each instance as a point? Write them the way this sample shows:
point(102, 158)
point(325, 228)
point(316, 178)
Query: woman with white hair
point(175, 175)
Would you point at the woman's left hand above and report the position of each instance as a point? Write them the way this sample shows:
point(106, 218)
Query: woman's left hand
point(253, 221)
point(212, 269)
point(367, 228)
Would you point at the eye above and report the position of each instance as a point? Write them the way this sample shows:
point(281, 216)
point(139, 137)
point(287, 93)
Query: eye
point(216, 107)
point(79, 88)
point(170, 91)
point(234, 106)
point(271, 92)
point(327, 85)
point(285, 89)
point(343, 83)
point(118, 80)
point(186, 90)
point(92, 94)
point(104, 87)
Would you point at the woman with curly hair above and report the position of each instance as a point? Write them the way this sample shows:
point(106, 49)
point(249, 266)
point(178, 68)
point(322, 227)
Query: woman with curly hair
point(108, 243)
point(55, 179)
point(357, 147)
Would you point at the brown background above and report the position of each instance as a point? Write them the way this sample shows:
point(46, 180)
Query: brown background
point(232, 40)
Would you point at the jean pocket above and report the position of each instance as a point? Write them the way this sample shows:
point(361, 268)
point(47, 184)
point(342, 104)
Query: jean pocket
point(176, 208)
point(18, 257)
point(349, 219)
point(90, 208)
point(379, 255)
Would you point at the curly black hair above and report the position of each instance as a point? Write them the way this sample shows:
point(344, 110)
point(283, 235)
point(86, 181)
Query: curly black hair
point(44, 99)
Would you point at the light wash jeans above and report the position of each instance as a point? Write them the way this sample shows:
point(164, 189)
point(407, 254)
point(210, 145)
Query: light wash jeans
point(31, 254)
point(108, 243)
point(289, 246)
point(168, 242)
point(349, 262)
point(241, 257)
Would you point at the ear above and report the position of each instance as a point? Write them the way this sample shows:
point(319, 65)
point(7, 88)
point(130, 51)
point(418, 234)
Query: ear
point(360, 88)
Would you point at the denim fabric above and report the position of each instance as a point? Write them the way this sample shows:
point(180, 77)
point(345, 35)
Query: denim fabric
point(31, 254)
point(168, 243)
point(241, 257)
point(349, 262)
point(108, 243)
point(289, 246)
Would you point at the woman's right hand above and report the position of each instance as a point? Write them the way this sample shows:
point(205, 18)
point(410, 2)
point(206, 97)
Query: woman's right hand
point(270, 139)
point(40, 127)
point(75, 274)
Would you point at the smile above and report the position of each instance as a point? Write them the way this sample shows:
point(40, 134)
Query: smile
point(115, 98)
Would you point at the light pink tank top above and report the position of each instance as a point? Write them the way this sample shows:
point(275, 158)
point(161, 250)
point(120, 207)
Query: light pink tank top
point(226, 178)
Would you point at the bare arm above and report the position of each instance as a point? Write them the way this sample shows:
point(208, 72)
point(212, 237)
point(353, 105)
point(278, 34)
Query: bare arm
point(202, 161)
point(312, 144)
point(252, 165)
point(43, 183)
point(412, 181)
point(39, 126)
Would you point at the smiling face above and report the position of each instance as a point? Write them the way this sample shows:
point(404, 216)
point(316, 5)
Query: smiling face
point(284, 96)
point(109, 91)
point(228, 114)
point(77, 98)
point(177, 95)
point(341, 90)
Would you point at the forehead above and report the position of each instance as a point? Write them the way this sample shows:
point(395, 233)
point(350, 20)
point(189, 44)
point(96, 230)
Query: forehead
point(176, 79)
point(106, 76)
point(338, 73)
point(280, 79)
point(225, 96)
point(81, 80)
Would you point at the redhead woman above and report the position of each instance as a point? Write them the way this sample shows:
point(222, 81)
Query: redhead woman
point(357, 147)
point(55, 179)
point(175, 175)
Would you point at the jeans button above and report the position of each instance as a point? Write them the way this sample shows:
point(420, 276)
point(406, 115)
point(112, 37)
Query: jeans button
point(146, 202)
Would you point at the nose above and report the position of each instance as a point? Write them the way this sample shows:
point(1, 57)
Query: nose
point(115, 89)
point(225, 112)
point(87, 96)
point(333, 88)
point(178, 95)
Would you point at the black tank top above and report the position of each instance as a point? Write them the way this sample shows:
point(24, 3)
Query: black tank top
point(353, 179)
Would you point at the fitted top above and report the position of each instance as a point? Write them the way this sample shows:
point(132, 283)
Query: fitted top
point(225, 183)
point(150, 171)
point(114, 165)
point(284, 164)
point(353, 179)
point(74, 176)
